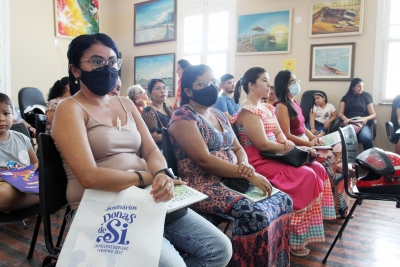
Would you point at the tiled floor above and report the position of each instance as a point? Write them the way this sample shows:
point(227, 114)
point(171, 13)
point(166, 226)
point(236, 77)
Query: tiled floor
point(372, 239)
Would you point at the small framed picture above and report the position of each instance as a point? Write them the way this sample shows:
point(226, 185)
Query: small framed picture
point(332, 62)
point(154, 22)
point(74, 18)
point(156, 66)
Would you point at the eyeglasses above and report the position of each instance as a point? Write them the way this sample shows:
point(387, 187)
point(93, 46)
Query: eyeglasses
point(291, 82)
point(98, 63)
point(158, 88)
point(205, 83)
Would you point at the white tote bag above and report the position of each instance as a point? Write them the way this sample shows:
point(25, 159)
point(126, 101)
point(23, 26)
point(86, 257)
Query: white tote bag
point(115, 229)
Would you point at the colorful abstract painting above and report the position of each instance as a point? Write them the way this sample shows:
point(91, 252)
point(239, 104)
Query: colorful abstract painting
point(76, 17)
point(155, 21)
point(261, 33)
point(156, 66)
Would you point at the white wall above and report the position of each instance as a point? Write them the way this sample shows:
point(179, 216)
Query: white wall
point(37, 62)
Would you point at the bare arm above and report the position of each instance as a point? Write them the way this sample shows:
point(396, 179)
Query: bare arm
point(398, 115)
point(282, 114)
point(371, 112)
point(83, 164)
point(254, 128)
point(32, 157)
point(342, 107)
point(312, 122)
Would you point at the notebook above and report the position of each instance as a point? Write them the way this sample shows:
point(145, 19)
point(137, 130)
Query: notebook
point(25, 179)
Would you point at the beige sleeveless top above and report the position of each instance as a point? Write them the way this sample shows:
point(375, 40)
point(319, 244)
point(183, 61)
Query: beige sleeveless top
point(111, 148)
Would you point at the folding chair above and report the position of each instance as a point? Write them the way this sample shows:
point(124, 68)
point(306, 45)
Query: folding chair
point(349, 154)
point(168, 153)
point(52, 193)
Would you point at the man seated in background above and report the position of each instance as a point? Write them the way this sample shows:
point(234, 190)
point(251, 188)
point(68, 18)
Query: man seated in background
point(225, 101)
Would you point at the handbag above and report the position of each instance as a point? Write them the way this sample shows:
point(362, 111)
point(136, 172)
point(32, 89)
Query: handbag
point(295, 157)
point(115, 229)
point(238, 184)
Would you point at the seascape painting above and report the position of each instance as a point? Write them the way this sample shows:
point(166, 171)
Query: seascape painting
point(155, 21)
point(156, 66)
point(332, 62)
point(76, 17)
point(261, 33)
point(336, 18)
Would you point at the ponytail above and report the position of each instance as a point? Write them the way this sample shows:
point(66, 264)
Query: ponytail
point(238, 90)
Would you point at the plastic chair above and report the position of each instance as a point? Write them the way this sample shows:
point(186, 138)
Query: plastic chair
point(29, 96)
point(168, 153)
point(349, 153)
point(40, 123)
point(392, 125)
point(52, 193)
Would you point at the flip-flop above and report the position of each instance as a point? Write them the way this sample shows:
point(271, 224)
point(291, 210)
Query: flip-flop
point(299, 254)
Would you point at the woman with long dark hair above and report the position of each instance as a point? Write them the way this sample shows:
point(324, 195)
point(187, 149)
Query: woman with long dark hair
point(208, 151)
point(159, 112)
point(308, 185)
point(181, 65)
point(356, 104)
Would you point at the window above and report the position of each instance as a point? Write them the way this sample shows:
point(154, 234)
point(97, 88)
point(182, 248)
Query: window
point(206, 37)
point(388, 49)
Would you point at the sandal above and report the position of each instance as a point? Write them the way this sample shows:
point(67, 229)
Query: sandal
point(300, 252)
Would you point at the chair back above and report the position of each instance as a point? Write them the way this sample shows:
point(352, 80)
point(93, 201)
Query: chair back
point(20, 127)
point(307, 103)
point(29, 96)
point(393, 125)
point(349, 153)
point(52, 177)
point(40, 123)
point(168, 151)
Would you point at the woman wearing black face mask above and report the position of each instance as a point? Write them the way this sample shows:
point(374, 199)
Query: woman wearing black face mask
point(100, 137)
point(207, 150)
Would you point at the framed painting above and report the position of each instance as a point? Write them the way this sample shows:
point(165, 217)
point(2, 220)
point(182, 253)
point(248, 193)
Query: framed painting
point(160, 66)
point(332, 62)
point(264, 33)
point(154, 21)
point(73, 18)
point(336, 18)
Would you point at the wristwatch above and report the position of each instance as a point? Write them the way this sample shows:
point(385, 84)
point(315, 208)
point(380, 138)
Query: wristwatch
point(167, 172)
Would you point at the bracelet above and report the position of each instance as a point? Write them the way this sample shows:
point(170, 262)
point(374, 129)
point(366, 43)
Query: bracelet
point(141, 181)
point(167, 172)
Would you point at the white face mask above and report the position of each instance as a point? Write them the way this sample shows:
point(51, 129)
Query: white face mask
point(294, 89)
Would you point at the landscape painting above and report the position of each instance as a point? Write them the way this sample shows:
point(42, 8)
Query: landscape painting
point(264, 33)
point(74, 18)
point(155, 21)
point(336, 18)
point(156, 66)
point(332, 62)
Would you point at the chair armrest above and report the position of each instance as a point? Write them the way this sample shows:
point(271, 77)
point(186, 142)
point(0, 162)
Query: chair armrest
point(334, 126)
point(390, 131)
point(374, 123)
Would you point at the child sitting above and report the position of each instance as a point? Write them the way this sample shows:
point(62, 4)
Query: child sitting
point(16, 148)
point(321, 115)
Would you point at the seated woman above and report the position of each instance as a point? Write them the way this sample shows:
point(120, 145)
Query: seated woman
point(258, 131)
point(181, 65)
point(106, 151)
point(157, 115)
point(397, 150)
point(207, 150)
point(58, 92)
point(138, 96)
point(356, 104)
point(291, 121)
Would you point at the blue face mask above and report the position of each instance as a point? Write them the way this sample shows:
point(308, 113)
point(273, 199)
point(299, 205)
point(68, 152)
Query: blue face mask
point(294, 89)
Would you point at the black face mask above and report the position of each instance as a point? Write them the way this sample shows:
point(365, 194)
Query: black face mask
point(206, 96)
point(99, 82)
